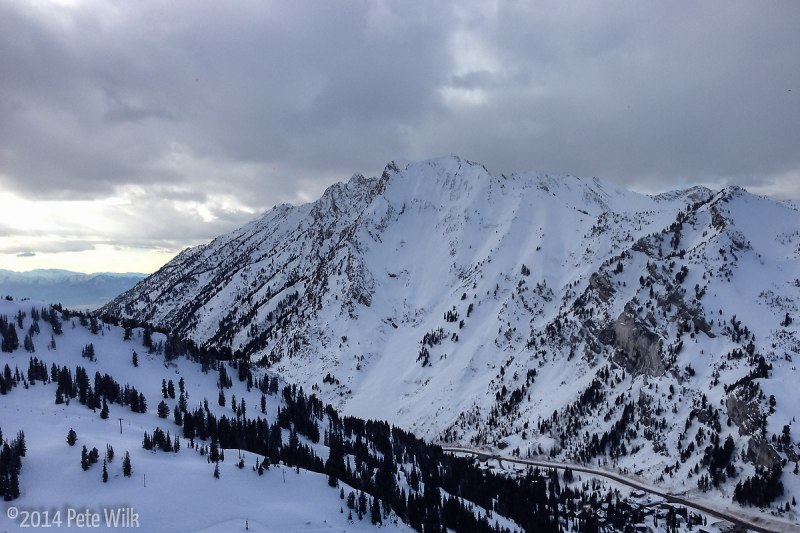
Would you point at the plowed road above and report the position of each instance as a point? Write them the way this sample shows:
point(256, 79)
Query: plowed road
point(744, 523)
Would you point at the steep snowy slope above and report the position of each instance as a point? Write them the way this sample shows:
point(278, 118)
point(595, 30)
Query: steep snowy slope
point(551, 315)
point(216, 446)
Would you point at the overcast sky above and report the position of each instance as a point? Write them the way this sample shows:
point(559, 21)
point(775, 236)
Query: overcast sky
point(132, 129)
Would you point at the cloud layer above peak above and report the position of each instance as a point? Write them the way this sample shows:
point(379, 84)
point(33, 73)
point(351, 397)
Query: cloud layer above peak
point(216, 111)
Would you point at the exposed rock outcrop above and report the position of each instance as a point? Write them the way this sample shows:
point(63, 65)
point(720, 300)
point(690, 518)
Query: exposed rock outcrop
point(762, 454)
point(601, 284)
point(638, 348)
point(745, 414)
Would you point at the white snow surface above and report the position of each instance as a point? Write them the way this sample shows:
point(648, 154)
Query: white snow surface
point(376, 263)
point(169, 492)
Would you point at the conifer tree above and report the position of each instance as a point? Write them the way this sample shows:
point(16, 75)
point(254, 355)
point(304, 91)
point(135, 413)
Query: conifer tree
point(105, 472)
point(127, 469)
point(375, 511)
point(28, 343)
point(21, 448)
point(12, 489)
point(85, 458)
point(72, 437)
point(147, 339)
point(10, 339)
point(214, 453)
point(362, 504)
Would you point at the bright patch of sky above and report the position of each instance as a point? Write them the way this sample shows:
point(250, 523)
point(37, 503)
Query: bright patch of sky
point(131, 130)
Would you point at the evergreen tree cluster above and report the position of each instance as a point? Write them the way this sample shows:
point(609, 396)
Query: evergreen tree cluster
point(11, 454)
point(105, 390)
point(88, 352)
point(94, 394)
point(763, 488)
point(8, 331)
point(8, 328)
point(162, 441)
point(9, 379)
point(174, 346)
point(277, 319)
point(373, 457)
point(718, 458)
point(89, 457)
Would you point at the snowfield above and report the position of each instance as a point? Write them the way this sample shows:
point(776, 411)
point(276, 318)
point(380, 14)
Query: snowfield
point(167, 491)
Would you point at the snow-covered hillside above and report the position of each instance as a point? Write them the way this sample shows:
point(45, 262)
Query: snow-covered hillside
point(216, 445)
point(540, 314)
point(166, 491)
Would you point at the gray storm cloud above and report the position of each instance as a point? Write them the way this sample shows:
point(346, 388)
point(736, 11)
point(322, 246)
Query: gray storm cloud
point(268, 102)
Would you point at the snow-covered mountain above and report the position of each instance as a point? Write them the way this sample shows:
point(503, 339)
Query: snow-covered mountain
point(110, 427)
point(544, 314)
point(72, 289)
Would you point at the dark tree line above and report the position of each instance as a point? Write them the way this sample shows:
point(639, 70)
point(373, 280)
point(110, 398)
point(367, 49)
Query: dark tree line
point(374, 457)
point(11, 454)
point(390, 469)
point(94, 394)
point(763, 488)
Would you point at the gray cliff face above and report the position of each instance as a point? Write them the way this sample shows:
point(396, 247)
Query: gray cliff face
point(745, 414)
point(762, 454)
point(638, 349)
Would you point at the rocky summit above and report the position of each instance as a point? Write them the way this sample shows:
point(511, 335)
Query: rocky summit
point(545, 315)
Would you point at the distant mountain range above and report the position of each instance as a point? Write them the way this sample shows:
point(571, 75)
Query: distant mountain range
point(72, 289)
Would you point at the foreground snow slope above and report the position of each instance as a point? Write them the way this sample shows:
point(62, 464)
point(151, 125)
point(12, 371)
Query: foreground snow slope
point(169, 491)
point(554, 315)
point(177, 491)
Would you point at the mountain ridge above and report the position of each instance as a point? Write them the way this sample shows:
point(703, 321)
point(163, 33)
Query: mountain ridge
point(73, 289)
point(546, 314)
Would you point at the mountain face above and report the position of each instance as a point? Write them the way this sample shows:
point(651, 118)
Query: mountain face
point(550, 315)
point(72, 289)
point(153, 423)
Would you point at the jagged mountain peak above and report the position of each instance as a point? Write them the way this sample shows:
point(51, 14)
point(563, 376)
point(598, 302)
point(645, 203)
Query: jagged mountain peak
point(529, 310)
point(695, 193)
